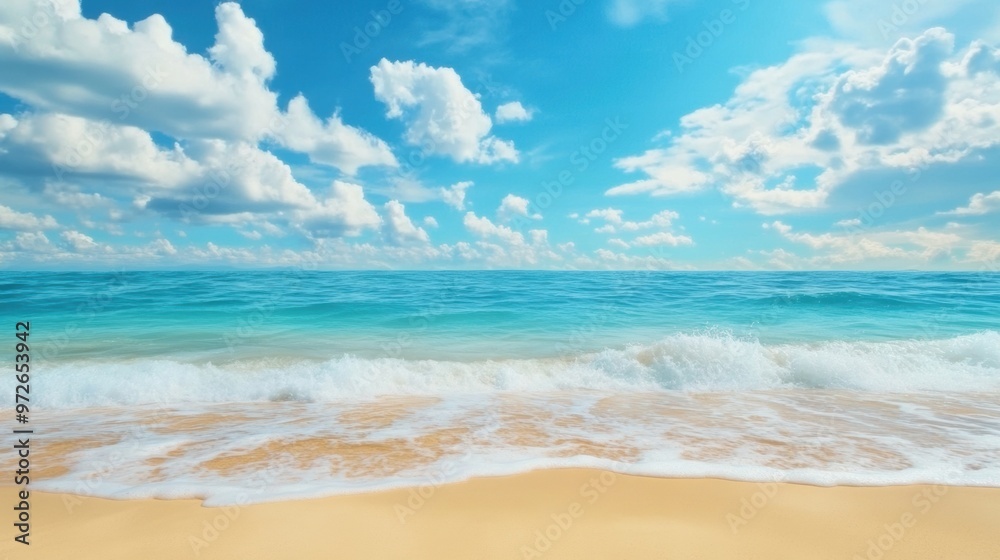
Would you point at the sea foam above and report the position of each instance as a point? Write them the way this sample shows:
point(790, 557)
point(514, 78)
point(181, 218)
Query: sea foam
point(709, 362)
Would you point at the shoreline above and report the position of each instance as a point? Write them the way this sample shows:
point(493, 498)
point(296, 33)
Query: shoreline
point(556, 513)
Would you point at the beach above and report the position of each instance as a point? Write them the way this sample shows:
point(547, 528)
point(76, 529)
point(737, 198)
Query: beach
point(451, 415)
point(560, 513)
point(610, 280)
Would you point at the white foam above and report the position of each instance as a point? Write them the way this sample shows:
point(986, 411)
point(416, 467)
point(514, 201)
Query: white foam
point(821, 437)
point(697, 405)
point(688, 362)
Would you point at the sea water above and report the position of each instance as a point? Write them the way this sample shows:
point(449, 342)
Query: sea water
point(236, 386)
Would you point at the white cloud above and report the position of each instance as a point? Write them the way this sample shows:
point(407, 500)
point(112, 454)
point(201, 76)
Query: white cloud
point(454, 195)
point(852, 222)
point(398, 226)
point(899, 246)
point(78, 241)
point(32, 242)
point(103, 71)
point(513, 205)
point(614, 221)
point(904, 94)
point(62, 145)
point(539, 236)
point(501, 246)
point(985, 251)
point(24, 221)
point(662, 219)
point(211, 181)
point(483, 227)
point(230, 179)
point(441, 115)
point(513, 112)
point(834, 112)
point(344, 212)
point(239, 44)
point(979, 204)
point(142, 74)
point(611, 260)
point(333, 142)
point(609, 215)
point(429, 221)
point(662, 238)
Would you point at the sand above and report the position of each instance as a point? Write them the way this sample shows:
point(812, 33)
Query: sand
point(566, 513)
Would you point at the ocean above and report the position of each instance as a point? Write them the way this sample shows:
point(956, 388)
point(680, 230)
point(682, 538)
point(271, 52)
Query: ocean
point(267, 385)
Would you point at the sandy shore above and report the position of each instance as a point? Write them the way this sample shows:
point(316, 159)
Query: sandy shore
point(571, 513)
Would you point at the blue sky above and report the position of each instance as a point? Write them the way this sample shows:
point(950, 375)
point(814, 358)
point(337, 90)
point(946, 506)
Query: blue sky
point(581, 134)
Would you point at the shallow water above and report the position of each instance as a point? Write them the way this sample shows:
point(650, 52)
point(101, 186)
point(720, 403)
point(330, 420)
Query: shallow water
point(199, 384)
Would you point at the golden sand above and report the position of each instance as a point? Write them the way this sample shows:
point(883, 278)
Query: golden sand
point(558, 514)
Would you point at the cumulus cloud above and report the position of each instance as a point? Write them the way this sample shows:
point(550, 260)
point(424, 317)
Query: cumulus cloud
point(903, 94)
point(60, 145)
point(662, 238)
point(609, 215)
point(922, 244)
point(513, 205)
point(103, 70)
point(332, 142)
point(979, 204)
point(614, 221)
point(29, 241)
point(512, 112)
point(78, 241)
point(398, 226)
point(985, 251)
point(344, 212)
point(454, 195)
point(793, 133)
point(483, 227)
point(502, 246)
point(98, 90)
point(441, 115)
point(24, 221)
point(207, 181)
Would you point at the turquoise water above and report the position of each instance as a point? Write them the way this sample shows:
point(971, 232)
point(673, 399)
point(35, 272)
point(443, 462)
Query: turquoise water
point(472, 315)
point(820, 378)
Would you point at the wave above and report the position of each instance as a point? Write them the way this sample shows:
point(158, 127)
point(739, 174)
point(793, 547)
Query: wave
point(846, 299)
point(680, 362)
